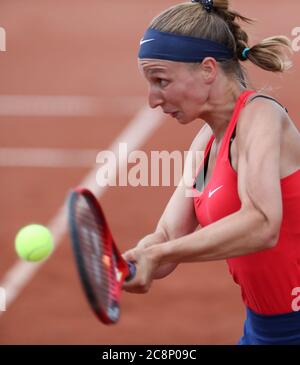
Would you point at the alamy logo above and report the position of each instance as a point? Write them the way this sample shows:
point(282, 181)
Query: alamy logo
point(2, 300)
point(2, 40)
point(296, 301)
point(296, 40)
point(136, 168)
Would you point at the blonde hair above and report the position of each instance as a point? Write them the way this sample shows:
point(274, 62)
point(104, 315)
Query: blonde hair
point(221, 25)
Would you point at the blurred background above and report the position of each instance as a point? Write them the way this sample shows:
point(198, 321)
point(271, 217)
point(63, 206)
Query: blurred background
point(69, 87)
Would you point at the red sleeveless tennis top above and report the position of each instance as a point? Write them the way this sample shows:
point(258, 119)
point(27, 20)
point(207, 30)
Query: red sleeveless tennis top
point(268, 279)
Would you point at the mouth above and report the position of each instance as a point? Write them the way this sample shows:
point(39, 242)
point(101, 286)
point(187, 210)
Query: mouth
point(172, 114)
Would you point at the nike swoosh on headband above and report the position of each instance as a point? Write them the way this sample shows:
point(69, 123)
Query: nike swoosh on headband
point(146, 41)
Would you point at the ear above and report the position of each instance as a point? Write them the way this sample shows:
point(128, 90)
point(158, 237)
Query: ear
point(209, 68)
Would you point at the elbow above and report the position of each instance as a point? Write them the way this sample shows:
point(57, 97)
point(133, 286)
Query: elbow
point(271, 234)
point(268, 235)
point(271, 238)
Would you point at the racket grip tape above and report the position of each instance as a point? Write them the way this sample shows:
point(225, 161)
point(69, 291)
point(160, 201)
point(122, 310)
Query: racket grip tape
point(132, 271)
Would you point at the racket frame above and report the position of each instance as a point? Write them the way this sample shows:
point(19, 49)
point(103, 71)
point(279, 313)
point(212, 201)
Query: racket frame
point(122, 265)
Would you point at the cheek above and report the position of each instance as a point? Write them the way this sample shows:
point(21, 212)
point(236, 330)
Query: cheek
point(192, 100)
point(186, 95)
point(194, 91)
point(179, 95)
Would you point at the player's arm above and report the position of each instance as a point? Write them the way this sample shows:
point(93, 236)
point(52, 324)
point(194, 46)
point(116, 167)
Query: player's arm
point(178, 218)
point(256, 225)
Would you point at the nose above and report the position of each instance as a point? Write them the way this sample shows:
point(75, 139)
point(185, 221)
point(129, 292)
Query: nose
point(155, 98)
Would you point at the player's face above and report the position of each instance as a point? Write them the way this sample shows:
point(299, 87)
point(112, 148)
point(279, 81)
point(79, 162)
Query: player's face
point(178, 88)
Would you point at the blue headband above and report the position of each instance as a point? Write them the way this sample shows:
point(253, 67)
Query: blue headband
point(173, 47)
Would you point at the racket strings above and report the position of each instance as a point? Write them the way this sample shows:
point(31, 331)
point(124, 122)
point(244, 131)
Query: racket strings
point(100, 268)
point(95, 253)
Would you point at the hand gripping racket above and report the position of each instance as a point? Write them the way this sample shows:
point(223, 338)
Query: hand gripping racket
point(101, 268)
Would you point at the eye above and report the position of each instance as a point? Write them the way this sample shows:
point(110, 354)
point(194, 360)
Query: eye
point(162, 82)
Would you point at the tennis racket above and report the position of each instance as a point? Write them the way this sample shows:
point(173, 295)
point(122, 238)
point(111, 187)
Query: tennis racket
point(101, 268)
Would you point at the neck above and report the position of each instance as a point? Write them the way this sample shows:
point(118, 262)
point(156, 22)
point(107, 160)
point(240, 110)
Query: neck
point(220, 105)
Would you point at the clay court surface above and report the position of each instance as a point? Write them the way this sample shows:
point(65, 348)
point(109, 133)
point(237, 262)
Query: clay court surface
point(69, 87)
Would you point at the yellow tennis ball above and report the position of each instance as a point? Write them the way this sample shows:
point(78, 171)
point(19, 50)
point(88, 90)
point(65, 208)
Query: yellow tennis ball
point(34, 242)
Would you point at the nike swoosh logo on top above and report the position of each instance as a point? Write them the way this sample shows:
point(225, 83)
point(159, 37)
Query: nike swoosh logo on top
point(211, 193)
point(146, 41)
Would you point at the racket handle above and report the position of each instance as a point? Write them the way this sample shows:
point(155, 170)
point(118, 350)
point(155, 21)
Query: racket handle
point(132, 271)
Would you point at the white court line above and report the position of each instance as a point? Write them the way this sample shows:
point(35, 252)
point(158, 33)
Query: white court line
point(47, 157)
point(67, 105)
point(136, 133)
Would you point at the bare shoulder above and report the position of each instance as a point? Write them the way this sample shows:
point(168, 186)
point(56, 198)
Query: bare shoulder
point(258, 117)
point(264, 122)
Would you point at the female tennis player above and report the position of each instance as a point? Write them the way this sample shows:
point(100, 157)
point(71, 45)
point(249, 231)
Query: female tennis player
point(248, 203)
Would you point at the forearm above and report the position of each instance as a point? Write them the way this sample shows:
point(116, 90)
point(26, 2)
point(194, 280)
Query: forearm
point(152, 239)
point(241, 233)
point(156, 238)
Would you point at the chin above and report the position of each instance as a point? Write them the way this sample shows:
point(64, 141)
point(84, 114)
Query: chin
point(184, 119)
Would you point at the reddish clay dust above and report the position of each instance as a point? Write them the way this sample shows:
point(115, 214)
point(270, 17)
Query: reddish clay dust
point(90, 49)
